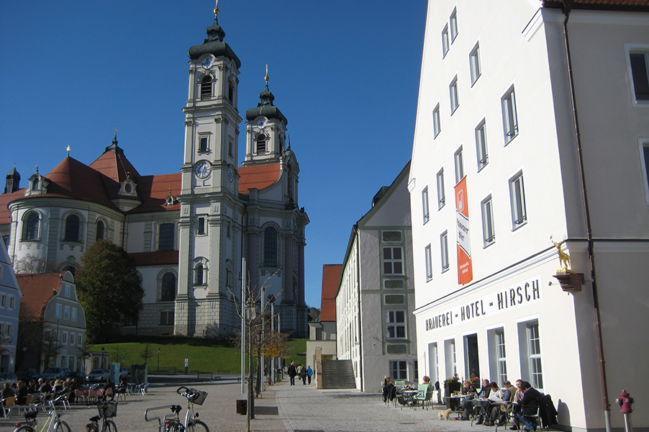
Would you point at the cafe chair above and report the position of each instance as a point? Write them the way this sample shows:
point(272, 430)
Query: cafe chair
point(424, 395)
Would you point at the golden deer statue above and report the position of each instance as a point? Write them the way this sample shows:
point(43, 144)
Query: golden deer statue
point(564, 258)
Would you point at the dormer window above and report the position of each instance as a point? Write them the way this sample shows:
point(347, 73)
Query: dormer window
point(170, 199)
point(128, 188)
point(206, 87)
point(37, 184)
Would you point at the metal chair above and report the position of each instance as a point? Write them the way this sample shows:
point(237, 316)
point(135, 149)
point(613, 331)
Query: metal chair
point(7, 404)
point(424, 395)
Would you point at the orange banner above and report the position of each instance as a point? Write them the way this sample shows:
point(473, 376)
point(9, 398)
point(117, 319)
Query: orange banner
point(464, 266)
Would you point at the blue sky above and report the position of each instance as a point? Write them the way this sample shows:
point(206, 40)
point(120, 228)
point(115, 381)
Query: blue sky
point(344, 73)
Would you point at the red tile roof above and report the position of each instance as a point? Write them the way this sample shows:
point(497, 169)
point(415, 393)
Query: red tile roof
point(631, 5)
point(155, 258)
point(153, 191)
point(258, 176)
point(115, 166)
point(330, 278)
point(5, 199)
point(37, 290)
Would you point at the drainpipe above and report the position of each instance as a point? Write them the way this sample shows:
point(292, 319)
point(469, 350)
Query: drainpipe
point(360, 328)
point(567, 7)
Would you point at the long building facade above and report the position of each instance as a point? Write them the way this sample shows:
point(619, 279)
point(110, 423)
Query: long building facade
point(532, 137)
point(187, 231)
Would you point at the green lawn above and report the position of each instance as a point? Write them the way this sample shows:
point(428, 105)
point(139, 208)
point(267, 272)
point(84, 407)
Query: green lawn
point(205, 355)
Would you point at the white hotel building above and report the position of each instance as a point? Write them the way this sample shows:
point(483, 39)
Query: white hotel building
point(502, 151)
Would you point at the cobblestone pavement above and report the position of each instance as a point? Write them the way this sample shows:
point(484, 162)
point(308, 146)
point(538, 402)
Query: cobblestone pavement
point(283, 407)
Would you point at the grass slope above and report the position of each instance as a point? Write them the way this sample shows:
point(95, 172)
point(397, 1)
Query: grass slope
point(204, 355)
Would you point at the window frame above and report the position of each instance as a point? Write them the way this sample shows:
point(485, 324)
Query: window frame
point(200, 226)
point(437, 122)
point(510, 115)
point(424, 205)
point(395, 326)
point(443, 243)
point(100, 230)
point(271, 243)
point(429, 262)
point(501, 356)
point(206, 139)
point(392, 261)
point(453, 25)
point(518, 206)
point(633, 50)
point(168, 293)
point(169, 245)
point(31, 230)
point(399, 370)
point(533, 337)
point(459, 165)
point(261, 139)
point(482, 150)
point(441, 193)
point(200, 273)
point(207, 85)
point(446, 41)
point(474, 64)
point(643, 148)
point(488, 228)
point(454, 95)
point(69, 228)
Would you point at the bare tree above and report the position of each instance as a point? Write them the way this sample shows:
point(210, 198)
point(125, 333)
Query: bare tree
point(146, 353)
point(31, 264)
point(29, 344)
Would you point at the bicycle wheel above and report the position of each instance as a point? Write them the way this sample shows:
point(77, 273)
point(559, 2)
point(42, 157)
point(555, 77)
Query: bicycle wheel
point(110, 426)
point(197, 426)
point(91, 429)
point(61, 426)
point(25, 428)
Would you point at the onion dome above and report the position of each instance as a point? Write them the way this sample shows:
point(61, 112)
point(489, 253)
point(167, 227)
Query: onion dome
point(265, 107)
point(214, 44)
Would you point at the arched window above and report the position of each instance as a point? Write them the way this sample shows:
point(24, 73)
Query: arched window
point(261, 144)
point(198, 279)
point(168, 292)
point(270, 247)
point(71, 269)
point(72, 228)
point(31, 227)
point(206, 87)
point(100, 230)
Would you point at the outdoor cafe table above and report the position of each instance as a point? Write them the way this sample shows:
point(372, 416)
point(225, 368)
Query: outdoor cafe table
point(408, 396)
point(454, 402)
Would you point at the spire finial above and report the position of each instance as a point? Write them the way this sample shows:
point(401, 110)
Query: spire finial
point(266, 78)
point(36, 169)
point(216, 9)
point(68, 149)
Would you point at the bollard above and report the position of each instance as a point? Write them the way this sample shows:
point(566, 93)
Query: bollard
point(625, 401)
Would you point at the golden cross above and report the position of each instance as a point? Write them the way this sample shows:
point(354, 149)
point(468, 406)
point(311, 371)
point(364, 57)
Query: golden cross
point(216, 8)
point(266, 77)
point(115, 129)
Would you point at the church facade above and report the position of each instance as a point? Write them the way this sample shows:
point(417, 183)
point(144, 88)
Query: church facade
point(187, 231)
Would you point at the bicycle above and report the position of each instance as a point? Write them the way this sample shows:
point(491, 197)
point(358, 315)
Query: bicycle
point(194, 397)
point(170, 424)
point(52, 424)
point(107, 410)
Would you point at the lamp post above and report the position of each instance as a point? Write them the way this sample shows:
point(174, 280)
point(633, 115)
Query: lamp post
point(158, 359)
point(271, 300)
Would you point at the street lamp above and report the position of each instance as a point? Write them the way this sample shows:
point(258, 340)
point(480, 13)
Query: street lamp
point(271, 300)
point(158, 359)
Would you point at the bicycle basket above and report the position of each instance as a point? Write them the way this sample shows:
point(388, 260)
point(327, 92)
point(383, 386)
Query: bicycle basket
point(199, 397)
point(107, 410)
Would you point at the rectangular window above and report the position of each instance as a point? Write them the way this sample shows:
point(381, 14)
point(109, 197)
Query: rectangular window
point(200, 229)
point(453, 21)
point(429, 264)
point(644, 162)
point(443, 240)
point(12, 302)
point(639, 63)
point(167, 317)
point(74, 314)
point(517, 195)
point(501, 357)
point(391, 236)
point(58, 311)
point(510, 120)
point(534, 349)
point(3, 300)
point(424, 204)
point(481, 145)
point(64, 340)
point(437, 123)
point(441, 197)
point(80, 339)
point(230, 146)
point(399, 370)
point(445, 42)
point(67, 290)
point(455, 100)
point(392, 260)
point(474, 64)
point(459, 166)
point(202, 146)
point(396, 324)
point(488, 233)
point(10, 330)
point(166, 238)
point(449, 358)
point(66, 312)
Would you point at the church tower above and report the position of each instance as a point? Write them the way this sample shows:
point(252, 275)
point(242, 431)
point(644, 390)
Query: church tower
point(210, 212)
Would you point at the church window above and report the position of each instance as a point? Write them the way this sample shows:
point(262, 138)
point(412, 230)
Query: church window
point(206, 87)
point(270, 247)
point(31, 227)
point(166, 237)
point(230, 147)
point(200, 229)
point(231, 92)
point(100, 230)
point(72, 228)
point(202, 146)
point(229, 232)
point(261, 144)
point(168, 292)
point(128, 188)
point(199, 275)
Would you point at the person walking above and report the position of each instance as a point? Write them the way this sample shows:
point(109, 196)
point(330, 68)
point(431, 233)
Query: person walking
point(292, 372)
point(303, 375)
point(309, 373)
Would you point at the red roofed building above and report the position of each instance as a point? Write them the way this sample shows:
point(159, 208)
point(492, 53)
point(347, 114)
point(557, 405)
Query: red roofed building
point(188, 231)
point(322, 332)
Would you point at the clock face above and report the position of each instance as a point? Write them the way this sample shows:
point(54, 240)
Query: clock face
point(202, 170)
point(207, 63)
point(231, 175)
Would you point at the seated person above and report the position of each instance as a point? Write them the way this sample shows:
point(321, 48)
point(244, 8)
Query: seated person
point(22, 393)
point(123, 386)
point(43, 387)
point(529, 405)
point(485, 390)
point(465, 405)
point(491, 411)
point(7, 391)
point(389, 390)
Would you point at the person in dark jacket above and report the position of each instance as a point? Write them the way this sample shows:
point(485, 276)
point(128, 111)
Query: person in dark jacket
point(22, 393)
point(530, 405)
point(389, 390)
point(303, 375)
point(292, 371)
